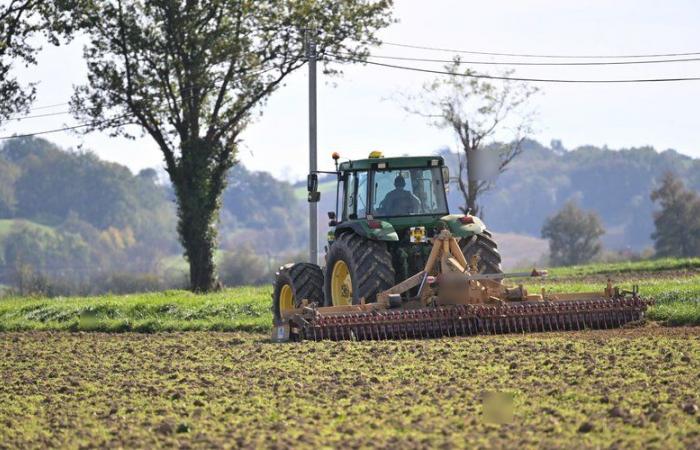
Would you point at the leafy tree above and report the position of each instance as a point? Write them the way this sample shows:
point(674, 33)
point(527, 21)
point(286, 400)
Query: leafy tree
point(191, 74)
point(20, 21)
point(574, 235)
point(476, 109)
point(678, 222)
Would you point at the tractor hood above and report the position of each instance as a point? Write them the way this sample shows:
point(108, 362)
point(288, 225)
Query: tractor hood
point(459, 226)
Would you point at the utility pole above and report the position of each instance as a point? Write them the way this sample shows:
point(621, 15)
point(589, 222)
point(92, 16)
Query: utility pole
point(313, 211)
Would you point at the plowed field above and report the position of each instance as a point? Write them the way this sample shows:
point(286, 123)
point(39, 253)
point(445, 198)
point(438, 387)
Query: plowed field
point(626, 388)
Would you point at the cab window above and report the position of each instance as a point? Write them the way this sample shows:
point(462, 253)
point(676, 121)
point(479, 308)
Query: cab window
point(405, 192)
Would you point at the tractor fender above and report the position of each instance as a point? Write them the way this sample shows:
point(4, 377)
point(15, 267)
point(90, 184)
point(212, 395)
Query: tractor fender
point(385, 232)
point(460, 229)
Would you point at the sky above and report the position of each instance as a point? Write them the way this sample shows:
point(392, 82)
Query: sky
point(358, 112)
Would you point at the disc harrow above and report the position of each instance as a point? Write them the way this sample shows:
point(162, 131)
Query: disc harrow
point(472, 319)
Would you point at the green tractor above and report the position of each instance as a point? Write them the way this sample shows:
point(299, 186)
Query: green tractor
point(386, 209)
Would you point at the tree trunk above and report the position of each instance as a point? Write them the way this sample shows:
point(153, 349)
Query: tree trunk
point(198, 237)
point(200, 253)
point(198, 188)
point(472, 182)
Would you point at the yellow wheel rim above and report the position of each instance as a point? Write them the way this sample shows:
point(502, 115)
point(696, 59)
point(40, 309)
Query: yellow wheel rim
point(341, 284)
point(286, 298)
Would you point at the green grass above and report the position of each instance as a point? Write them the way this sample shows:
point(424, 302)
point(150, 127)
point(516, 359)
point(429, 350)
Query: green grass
point(677, 299)
point(650, 265)
point(248, 308)
point(244, 309)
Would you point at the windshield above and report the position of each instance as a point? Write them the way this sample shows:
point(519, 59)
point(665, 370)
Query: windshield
point(404, 192)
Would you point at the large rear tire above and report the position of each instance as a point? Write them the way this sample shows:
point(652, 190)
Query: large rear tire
point(294, 283)
point(357, 268)
point(485, 248)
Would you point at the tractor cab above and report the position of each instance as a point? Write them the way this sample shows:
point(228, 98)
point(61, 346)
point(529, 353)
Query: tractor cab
point(390, 188)
point(387, 213)
point(399, 191)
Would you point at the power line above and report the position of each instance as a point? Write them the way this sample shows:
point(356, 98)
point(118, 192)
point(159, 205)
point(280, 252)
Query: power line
point(541, 80)
point(530, 55)
point(36, 116)
point(521, 63)
point(57, 130)
point(48, 106)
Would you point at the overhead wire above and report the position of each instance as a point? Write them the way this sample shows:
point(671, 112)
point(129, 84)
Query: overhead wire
point(37, 108)
point(56, 130)
point(36, 116)
point(533, 55)
point(523, 63)
point(527, 79)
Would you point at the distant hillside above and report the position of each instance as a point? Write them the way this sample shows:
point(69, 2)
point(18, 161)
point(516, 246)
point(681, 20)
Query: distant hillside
point(615, 183)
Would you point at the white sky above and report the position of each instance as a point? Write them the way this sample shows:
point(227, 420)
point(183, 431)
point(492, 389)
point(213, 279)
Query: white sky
point(355, 115)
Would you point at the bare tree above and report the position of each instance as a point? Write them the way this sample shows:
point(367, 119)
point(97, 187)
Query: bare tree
point(476, 110)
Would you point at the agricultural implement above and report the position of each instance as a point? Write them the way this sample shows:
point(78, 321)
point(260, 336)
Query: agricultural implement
point(398, 266)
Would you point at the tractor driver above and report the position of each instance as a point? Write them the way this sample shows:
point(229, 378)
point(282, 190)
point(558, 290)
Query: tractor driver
point(399, 201)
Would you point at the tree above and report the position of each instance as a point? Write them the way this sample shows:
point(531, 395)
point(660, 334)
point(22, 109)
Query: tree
point(191, 74)
point(20, 21)
point(678, 222)
point(476, 109)
point(573, 235)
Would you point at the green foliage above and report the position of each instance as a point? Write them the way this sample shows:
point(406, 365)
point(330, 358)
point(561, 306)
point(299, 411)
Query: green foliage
point(244, 266)
point(262, 213)
point(678, 222)
point(22, 24)
point(573, 235)
point(191, 74)
point(76, 224)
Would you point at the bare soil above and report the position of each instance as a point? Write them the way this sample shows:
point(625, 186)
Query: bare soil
point(628, 388)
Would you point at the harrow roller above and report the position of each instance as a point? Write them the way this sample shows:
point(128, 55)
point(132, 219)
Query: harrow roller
point(465, 320)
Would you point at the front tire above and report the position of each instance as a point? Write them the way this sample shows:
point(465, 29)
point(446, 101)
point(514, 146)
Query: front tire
point(357, 268)
point(483, 246)
point(294, 283)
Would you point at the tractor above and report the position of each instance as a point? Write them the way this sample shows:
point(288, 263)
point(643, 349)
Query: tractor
point(387, 209)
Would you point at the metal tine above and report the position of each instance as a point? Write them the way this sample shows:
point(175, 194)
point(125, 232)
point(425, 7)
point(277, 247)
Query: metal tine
point(541, 317)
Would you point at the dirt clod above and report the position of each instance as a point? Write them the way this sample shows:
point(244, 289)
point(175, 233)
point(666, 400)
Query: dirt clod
point(617, 411)
point(586, 427)
point(165, 428)
point(690, 408)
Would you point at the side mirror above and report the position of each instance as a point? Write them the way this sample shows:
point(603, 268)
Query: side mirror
point(445, 174)
point(312, 187)
point(331, 216)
